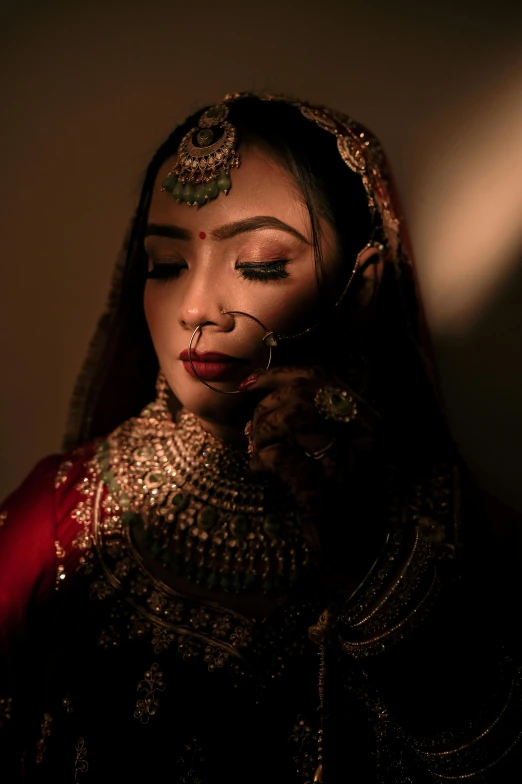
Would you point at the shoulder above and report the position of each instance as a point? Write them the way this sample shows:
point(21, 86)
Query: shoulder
point(45, 495)
point(37, 529)
point(28, 513)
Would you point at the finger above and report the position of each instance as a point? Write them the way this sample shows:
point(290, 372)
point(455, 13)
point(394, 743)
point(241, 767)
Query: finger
point(275, 378)
point(289, 468)
point(286, 415)
point(301, 476)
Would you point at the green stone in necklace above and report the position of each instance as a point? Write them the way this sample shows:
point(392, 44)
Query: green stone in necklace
point(197, 507)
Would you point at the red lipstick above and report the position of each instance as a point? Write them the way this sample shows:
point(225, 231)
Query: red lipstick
point(208, 356)
point(212, 365)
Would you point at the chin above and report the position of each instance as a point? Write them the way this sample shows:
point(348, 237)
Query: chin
point(209, 405)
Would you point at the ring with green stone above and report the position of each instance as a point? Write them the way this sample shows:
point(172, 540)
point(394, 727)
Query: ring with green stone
point(335, 403)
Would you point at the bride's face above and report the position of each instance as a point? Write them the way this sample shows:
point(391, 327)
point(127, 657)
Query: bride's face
point(249, 251)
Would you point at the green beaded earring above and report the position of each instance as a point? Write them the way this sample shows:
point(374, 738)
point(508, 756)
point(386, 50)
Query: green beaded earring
point(205, 156)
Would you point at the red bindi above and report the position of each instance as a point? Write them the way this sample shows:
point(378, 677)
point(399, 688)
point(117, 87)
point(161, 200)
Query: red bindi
point(202, 235)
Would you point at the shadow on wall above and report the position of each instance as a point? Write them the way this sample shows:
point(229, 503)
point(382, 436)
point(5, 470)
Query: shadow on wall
point(481, 373)
point(90, 89)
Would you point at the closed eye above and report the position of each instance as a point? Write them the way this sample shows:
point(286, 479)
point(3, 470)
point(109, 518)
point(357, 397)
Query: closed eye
point(263, 270)
point(165, 271)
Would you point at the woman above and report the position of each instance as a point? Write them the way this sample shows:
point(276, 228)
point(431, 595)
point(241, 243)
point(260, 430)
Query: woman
point(262, 573)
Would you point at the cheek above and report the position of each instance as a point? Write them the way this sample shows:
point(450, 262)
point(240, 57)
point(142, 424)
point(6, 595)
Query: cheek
point(151, 311)
point(160, 313)
point(292, 306)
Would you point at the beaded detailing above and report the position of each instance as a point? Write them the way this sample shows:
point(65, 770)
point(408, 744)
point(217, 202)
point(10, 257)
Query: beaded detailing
point(5, 710)
point(205, 156)
point(360, 151)
point(80, 762)
point(304, 740)
point(134, 604)
point(151, 685)
point(141, 607)
point(194, 504)
point(455, 758)
point(60, 568)
point(45, 731)
point(460, 754)
point(61, 474)
point(383, 608)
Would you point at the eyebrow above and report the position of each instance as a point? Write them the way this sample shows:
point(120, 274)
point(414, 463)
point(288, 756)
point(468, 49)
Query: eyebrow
point(254, 224)
point(167, 230)
point(228, 230)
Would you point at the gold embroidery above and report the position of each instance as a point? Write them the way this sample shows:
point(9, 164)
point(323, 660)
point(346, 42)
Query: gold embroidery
point(5, 710)
point(83, 515)
point(305, 739)
point(45, 730)
point(61, 474)
point(463, 753)
point(157, 602)
point(60, 569)
point(161, 639)
point(138, 627)
point(137, 605)
point(360, 151)
point(3, 518)
point(215, 658)
point(109, 637)
point(101, 590)
point(151, 684)
point(150, 608)
point(199, 617)
point(80, 763)
point(141, 606)
point(194, 504)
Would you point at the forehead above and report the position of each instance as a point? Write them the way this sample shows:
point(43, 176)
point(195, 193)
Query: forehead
point(260, 186)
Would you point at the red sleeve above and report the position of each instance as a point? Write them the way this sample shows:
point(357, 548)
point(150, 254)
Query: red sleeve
point(38, 526)
point(27, 551)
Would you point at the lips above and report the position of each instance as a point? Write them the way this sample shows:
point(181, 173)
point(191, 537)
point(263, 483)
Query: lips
point(212, 365)
point(209, 356)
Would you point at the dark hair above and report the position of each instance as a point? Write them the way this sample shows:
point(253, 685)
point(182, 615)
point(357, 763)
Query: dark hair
point(329, 190)
point(383, 359)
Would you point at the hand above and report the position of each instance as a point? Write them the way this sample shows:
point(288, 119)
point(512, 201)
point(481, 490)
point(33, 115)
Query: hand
point(287, 428)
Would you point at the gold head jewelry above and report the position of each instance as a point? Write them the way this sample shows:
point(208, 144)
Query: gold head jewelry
point(208, 152)
point(205, 156)
point(361, 152)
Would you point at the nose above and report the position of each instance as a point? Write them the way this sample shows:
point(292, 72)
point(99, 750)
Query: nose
point(203, 304)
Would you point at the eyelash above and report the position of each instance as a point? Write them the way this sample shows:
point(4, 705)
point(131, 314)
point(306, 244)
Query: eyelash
point(258, 271)
point(164, 272)
point(265, 271)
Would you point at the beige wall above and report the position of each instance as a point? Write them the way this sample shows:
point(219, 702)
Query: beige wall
point(90, 89)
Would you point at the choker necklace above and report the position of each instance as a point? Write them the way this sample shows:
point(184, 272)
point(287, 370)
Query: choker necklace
point(193, 502)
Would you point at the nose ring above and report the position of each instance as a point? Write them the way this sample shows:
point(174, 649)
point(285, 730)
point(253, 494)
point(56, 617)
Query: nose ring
point(269, 339)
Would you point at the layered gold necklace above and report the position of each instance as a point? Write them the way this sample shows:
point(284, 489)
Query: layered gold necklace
point(193, 502)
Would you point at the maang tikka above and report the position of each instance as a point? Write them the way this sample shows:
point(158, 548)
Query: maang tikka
point(205, 156)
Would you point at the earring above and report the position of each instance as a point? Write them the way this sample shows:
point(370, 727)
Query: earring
point(159, 407)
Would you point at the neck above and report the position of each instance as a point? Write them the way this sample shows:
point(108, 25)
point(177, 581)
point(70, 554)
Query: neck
point(233, 434)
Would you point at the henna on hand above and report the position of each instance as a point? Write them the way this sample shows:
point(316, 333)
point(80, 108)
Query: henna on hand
point(287, 425)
